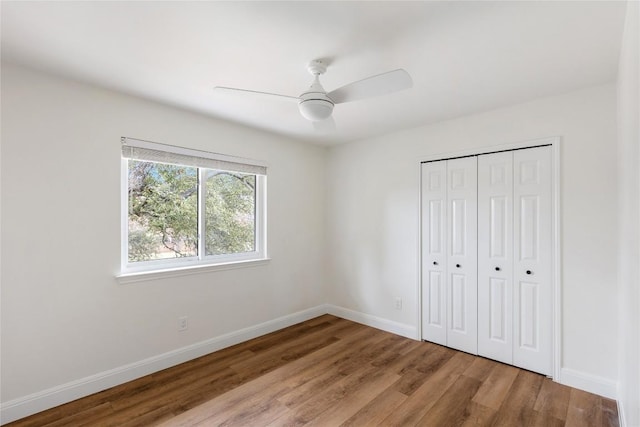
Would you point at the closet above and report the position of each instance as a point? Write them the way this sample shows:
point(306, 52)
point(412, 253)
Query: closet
point(486, 255)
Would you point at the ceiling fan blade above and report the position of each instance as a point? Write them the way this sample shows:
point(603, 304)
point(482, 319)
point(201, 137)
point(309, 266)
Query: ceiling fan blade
point(372, 86)
point(222, 89)
point(325, 126)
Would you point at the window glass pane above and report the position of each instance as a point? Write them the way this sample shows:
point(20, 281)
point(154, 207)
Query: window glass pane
point(163, 207)
point(230, 206)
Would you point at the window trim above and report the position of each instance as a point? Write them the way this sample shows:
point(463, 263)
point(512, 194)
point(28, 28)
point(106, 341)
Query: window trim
point(142, 276)
point(147, 270)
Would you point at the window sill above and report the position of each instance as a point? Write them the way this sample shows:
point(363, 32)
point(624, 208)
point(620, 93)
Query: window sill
point(142, 276)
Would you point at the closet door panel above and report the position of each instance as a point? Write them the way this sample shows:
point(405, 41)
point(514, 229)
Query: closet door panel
point(487, 256)
point(462, 272)
point(532, 263)
point(495, 256)
point(433, 223)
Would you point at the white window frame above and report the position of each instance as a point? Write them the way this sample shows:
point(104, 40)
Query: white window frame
point(145, 270)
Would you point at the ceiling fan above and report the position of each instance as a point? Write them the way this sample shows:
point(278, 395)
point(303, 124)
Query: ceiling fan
point(316, 104)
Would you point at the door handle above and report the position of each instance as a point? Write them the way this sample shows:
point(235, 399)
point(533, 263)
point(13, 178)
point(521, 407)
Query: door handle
point(457, 265)
point(435, 262)
point(497, 268)
point(529, 272)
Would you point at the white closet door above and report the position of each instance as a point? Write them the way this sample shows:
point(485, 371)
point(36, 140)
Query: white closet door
point(462, 321)
point(532, 263)
point(495, 256)
point(434, 291)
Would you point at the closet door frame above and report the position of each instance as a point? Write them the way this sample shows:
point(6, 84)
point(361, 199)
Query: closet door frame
point(556, 261)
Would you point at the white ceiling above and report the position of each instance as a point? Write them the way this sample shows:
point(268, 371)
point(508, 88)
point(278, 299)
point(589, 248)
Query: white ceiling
point(464, 57)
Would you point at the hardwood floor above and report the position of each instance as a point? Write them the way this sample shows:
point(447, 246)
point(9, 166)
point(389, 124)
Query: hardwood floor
point(331, 372)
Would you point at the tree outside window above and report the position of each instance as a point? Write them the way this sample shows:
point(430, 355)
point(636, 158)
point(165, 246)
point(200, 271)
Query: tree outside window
point(163, 211)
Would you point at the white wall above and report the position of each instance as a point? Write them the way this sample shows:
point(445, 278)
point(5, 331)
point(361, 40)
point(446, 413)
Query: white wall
point(372, 198)
point(629, 217)
point(64, 315)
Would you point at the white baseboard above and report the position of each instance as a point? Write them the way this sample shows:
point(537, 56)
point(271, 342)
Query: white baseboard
point(387, 325)
point(621, 417)
point(40, 401)
point(591, 383)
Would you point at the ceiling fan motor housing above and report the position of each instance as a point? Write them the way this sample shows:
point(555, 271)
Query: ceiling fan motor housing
point(316, 107)
point(314, 104)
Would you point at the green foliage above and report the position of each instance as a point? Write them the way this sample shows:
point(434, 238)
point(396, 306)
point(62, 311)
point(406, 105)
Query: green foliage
point(230, 213)
point(142, 245)
point(163, 209)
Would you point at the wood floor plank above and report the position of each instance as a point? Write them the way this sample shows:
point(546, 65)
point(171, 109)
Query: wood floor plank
point(377, 409)
point(68, 410)
point(477, 415)
point(323, 400)
point(392, 350)
point(480, 369)
point(414, 408)
point(409, 360)
point(450, 409)
point(136, 393)
point(428, 359)
point(411, 380)
point(554, 399)
point(180, 385)
point(148, 419)
point(328, 372)
point(303, 329)
point(324, 372)
point(496, 386)
point(274, 358)
point(291, 376)
point(224, 380)
point(517, 407)
point(344, 328)
point(228, 404)
point(397, 355)
point(289, 350)
point(217, 360)
point(543, 419)
point(298, 395)
point(408, 346)
point(582, 409)
point(610, 413)
point(87, 417)
point(587, 409)
point(252, 412)
point(353, 402)
point(327, 382)
point(418, 366)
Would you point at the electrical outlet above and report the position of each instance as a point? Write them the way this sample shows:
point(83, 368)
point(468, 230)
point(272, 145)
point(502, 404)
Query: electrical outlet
point(398, 303)
point(183, 325)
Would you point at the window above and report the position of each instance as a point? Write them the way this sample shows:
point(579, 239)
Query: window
point(186, 208)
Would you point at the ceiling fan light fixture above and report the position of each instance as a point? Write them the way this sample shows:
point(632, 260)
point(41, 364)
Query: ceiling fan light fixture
point(315, 109)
